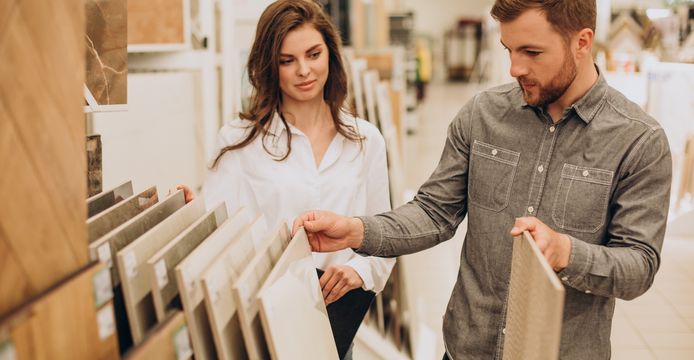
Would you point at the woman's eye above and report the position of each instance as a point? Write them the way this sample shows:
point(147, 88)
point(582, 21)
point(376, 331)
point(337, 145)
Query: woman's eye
point(315, 55)
point(286, 61)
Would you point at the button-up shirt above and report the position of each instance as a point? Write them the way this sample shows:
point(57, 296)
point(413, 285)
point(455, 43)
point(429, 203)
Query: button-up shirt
point(601, 175)
point(352, 178)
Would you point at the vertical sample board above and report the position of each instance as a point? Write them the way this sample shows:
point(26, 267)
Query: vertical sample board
point(535, 305)
point(116, 215)
point(102, 201)
point(169, 340)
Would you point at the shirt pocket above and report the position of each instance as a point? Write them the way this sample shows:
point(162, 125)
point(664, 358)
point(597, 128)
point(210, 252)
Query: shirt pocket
point(492, 170)
point(581, 200)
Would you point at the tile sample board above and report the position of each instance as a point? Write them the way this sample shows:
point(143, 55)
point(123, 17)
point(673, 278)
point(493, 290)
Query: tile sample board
point(190, 290)
point(292, 308)
point(246, 288)
point(94, 167)
point(217, 282)
point(74, 320)
point(118, 214)
point(131, 264)
point(42, 147)
point(157, 22)
point(106, 199)
point(160, 266)
point(168, 341)
point(535, 305)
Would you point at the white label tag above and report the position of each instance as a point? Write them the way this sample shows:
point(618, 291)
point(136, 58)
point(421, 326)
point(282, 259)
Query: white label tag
point(7, 351)
point(105, 321)
point(181, 342)
point(130, 262)
point(215, 286)
point(104, 253)
point(103, 289)
point(160, 272)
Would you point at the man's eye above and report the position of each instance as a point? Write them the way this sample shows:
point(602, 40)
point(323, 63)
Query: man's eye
point(533, 53)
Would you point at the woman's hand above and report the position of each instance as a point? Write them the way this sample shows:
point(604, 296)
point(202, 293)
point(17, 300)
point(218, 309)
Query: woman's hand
point(337, 280)
point(188, 194)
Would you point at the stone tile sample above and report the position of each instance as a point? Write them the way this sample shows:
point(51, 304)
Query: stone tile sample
point(107, 51)
point(100, 202)
point(116, 215)
point(94, 173)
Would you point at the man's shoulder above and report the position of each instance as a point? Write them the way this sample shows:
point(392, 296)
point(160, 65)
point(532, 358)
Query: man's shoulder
point(500, 96)
point(628, 111)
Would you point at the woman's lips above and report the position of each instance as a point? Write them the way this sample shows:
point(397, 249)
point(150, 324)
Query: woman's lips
point(306, 85)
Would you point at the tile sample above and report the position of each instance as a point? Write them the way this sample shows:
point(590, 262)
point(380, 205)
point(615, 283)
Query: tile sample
point(94, 173)
point(292, 308)
point(160, 266)
point(246, 288)
point(74, 320)
point(535, 304)
point(168, 340)
point(42, 128)
point(157, 22)
point(105, 200)
point(109, 219)
point(107, 51)
point(131, 261)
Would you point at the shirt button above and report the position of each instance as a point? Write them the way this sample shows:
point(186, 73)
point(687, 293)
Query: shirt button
point(551, 129)
point(541, 168)
point(531, 209)
point(587, 291)
point(585, 173)
point(565, 278)
point(494, 152)
point(503, 331)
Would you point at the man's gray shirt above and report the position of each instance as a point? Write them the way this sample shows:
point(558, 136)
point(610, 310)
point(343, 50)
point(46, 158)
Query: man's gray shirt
point(600, 175)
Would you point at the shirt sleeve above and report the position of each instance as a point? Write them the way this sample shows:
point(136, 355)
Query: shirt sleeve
point(625, 267)
point(223, 182)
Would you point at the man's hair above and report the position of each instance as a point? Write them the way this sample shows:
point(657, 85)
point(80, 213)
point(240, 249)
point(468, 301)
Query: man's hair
point(566, 16)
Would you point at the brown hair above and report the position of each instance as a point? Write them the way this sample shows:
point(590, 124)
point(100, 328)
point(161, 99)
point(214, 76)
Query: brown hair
point(566, 16)
point(278, 19)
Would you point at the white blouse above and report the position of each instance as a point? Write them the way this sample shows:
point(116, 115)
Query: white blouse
point(350, 180)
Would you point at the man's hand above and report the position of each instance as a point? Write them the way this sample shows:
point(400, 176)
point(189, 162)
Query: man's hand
point(337, 280)
point(329, 232)
point(556, 247)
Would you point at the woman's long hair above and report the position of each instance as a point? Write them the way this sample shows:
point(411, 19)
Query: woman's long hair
point(275, 23)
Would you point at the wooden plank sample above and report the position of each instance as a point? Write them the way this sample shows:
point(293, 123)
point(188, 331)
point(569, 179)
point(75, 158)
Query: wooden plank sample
point(118, 238)
point(535, 305)
point(292, 308)
point(106, 199)
point(116, 215)
point(131, 261)
point(160, 266)
point(246, 288)
point(156, 22)
point(217, 281)
point(42, 128)
point(73, 320)
point(188, 273)
point(168, 341)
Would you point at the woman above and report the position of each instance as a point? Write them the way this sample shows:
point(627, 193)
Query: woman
point(296, 148)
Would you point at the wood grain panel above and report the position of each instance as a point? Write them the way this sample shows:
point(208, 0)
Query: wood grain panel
point(42, 145)
point(65, 322)
point(165, 341)
point(155, 22)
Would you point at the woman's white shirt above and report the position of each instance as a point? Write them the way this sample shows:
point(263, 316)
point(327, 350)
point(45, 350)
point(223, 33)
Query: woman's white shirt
point(351, 180)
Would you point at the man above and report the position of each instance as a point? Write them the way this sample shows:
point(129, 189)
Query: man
point(560, 154)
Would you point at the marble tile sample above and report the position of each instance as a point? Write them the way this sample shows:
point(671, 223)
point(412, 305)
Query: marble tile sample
point(161, 265)
point(105, 200)
point(292, 309)
point(94, 173)
point(156, 22)
point(107, 51)
point(116, 215)
point(131, 261)
point(535, 305)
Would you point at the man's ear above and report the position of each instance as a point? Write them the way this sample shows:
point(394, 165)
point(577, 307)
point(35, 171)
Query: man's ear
point(584, 43)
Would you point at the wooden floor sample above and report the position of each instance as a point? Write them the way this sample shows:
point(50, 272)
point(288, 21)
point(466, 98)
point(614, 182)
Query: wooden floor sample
point(246, 288)
point(156, 22)
point(535, 305)
point(118, 214)
point(132, 259)
point(65, 322)
point(188, 273)
point(106, 199)
point(160, 266)
point(217, 282)
point(42, 146)
point(292, 308)
point(165, 341)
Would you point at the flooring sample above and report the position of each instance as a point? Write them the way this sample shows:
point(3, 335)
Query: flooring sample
point(131, 261)
point(156, 22)
point(246, 288)
point(107, 51)
point(94, 173)
point(74, 320)
point(370, 81)
point(169, 341)
point(535, 305)
point(217, 282)
point(42, 128)
point(190, 290)
point(100, 202)
point(292, 309)
point(118, 214)
point(161, 265)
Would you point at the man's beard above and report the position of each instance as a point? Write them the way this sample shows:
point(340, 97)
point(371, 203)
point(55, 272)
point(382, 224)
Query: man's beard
point(557, 85)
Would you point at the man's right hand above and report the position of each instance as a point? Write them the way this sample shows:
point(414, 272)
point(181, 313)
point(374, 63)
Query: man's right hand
point(329, 232)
